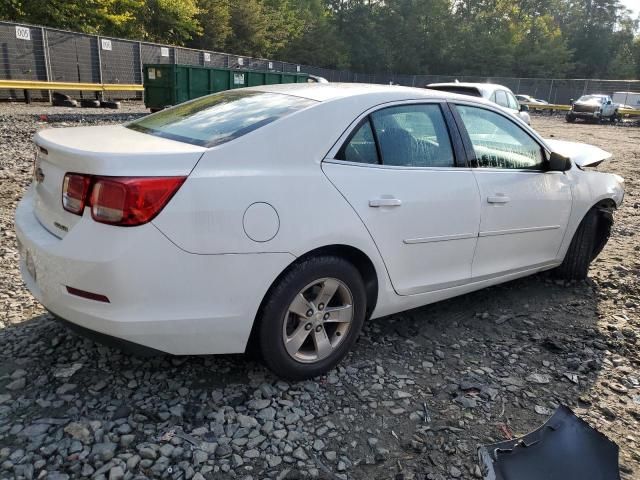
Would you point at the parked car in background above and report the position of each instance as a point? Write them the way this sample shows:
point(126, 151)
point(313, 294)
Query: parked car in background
point(594, 108)
point(498, 94)
point(316, 79)
point(285, 216)
point(529, 99)
point(628, 100)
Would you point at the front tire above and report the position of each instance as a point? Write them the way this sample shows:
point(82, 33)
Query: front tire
point(575, 265)
point(312, 317)
point(570, 118)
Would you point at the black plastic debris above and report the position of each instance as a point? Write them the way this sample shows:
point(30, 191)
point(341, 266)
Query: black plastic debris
point(563, 448)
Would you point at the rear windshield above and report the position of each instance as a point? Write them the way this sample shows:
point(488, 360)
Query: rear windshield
point(219, 118)
point(469, 91)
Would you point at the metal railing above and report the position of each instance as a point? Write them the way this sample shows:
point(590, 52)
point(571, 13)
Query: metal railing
point(41, 54)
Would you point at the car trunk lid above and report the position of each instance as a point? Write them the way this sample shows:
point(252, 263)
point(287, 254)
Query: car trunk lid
point(103, 151)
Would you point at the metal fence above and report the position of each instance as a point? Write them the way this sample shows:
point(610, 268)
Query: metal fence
point(29, 52)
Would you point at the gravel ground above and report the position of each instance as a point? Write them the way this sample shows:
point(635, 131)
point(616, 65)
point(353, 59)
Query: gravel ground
point(415, 398)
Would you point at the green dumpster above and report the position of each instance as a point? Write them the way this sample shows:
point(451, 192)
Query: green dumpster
point(166, 85)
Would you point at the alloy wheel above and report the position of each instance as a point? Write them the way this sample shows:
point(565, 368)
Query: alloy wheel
point(317, 320)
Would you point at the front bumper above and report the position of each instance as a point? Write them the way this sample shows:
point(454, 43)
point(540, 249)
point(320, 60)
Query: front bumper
point(160, 296)
point(590, 115)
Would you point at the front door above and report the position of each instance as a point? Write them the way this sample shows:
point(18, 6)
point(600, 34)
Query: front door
point(524, 209)
point(398, 172)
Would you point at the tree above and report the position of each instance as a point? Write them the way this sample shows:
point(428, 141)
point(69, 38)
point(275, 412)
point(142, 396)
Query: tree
point(214, 17)
point(533, 38)
point(107, 17)
point(169, 21)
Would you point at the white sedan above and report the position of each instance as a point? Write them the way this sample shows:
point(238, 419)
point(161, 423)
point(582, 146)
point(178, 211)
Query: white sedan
point(285, 216)
point(498, 94)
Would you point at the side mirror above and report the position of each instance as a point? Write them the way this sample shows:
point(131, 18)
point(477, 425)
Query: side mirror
point(524, 108)
point(558, 163)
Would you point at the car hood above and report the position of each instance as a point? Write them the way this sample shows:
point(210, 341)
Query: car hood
point(581, 154)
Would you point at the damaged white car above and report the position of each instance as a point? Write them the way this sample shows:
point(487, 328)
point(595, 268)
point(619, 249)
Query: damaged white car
point(289, 214)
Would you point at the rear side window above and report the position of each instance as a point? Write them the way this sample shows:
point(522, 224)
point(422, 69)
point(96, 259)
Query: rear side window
point(361, 148)
point(407, 136)
point(501, 98)
point(219, 118)
point(413, 136)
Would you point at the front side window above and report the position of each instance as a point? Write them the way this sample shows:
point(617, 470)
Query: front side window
point(513, 103)
point(413, 136)
point(498, 142)
point(219, 118)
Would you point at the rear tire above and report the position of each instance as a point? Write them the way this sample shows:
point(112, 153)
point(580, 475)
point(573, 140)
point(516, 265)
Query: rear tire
point(295, 312)
point(575, 265)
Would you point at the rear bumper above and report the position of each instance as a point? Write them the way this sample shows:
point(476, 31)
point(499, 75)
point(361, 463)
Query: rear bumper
point(160, 296)
point(108, 340)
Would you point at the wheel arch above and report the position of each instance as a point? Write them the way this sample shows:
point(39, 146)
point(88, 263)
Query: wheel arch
point(605, 209)
point(352, 254)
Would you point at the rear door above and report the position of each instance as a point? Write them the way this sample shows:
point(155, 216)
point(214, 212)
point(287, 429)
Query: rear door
point(524, 209)
point(398, 169)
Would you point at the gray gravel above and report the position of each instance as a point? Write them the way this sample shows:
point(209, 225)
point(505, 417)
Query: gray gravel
point(415, 398)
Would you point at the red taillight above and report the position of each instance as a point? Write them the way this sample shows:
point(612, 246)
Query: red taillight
point(124, 201)
point(74, 192)
point(131, 200)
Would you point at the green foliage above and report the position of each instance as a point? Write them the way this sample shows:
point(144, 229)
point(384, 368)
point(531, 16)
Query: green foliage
point(214, 16)
point(169, 21)
point(534, 38)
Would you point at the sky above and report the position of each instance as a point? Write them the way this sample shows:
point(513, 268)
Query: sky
point(633, 5)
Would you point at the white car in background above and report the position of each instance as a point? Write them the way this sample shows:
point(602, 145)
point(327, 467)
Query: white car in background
point(498, 94)
point(529, 99)
point(290, 214)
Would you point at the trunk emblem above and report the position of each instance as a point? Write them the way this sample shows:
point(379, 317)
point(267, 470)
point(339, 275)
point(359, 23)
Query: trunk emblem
point(39, 175)
point(62, 227)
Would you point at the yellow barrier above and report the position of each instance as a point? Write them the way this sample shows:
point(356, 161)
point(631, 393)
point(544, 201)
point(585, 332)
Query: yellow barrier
point(93, 87)
point(549, 106)
point(566, 108)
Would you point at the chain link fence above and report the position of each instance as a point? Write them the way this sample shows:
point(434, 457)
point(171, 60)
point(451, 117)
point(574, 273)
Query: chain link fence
point(30, 52)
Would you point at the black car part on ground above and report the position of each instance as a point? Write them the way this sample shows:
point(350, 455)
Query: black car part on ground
point(563, 448)
point(89, 103)
point(62, 100)
point(109, 104)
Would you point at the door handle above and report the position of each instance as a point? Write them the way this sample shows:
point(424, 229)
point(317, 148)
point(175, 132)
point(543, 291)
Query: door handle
point(498, 198)
point(385, 202)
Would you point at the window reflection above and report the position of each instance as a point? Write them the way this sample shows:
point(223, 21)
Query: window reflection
point(219, 118)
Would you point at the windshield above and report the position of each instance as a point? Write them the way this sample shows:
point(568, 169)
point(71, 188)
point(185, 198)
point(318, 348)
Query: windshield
point(590, 98)
point(219, 118)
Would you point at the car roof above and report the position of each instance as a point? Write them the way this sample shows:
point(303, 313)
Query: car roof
point(330, 91)
point(377, 93)
point(485, 88)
